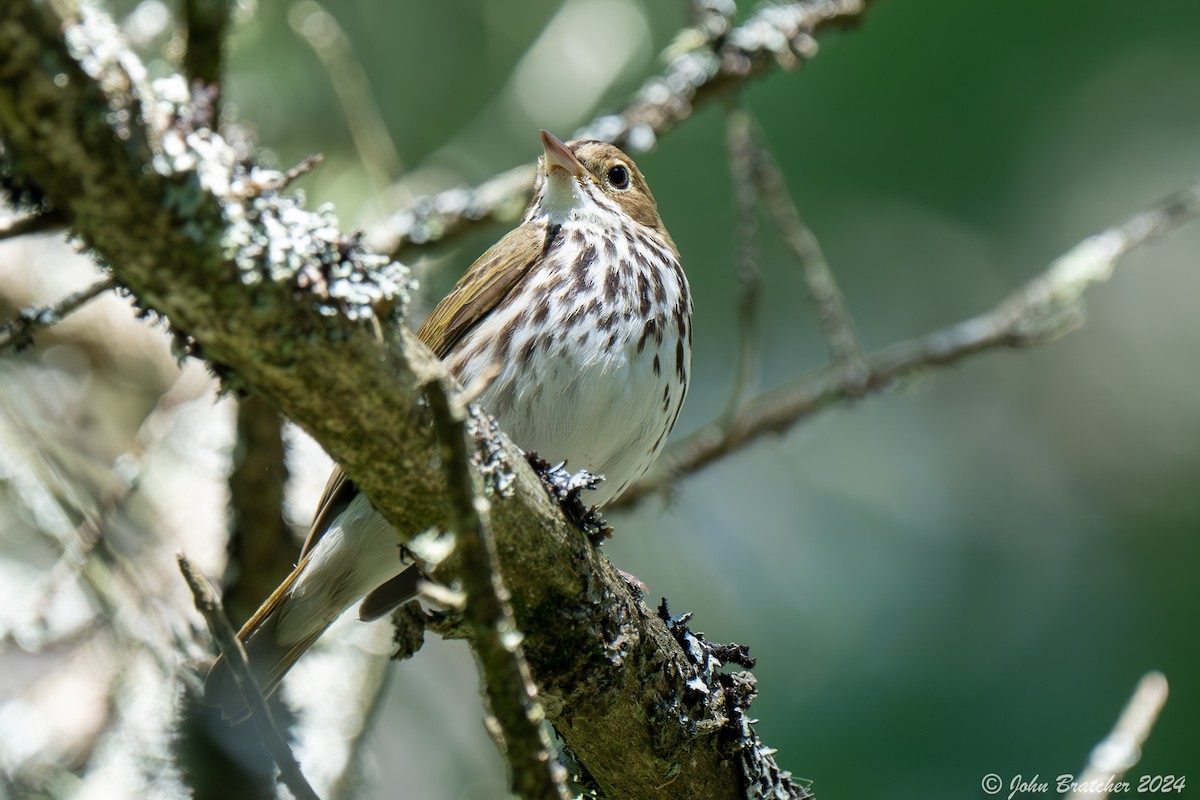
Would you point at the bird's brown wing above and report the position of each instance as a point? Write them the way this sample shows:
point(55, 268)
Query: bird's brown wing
point(485, 284)
point(339, 491)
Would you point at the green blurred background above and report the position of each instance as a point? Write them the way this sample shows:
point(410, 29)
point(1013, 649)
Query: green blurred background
point(962, 578)
point(965, 577)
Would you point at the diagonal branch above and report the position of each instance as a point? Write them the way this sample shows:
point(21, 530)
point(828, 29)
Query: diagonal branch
point(702, 64)
point(536, 774)
point(1122, 748)
point(743, 156)
point(823, 289)
point(17, 333)
point(320, 30)
point(209, 606)
point(1046, 308)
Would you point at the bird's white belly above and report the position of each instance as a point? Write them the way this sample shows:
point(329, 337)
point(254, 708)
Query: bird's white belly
point(583, 378)
point(607, 414)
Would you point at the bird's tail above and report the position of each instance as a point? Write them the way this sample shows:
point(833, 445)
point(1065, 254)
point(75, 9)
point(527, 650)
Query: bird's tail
point(269, 653)
point(327, 581)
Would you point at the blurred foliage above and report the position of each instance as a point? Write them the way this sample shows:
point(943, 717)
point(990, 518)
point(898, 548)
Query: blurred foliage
point(965, 577)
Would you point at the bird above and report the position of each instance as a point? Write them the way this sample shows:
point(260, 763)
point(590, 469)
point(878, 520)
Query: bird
point(578, 322)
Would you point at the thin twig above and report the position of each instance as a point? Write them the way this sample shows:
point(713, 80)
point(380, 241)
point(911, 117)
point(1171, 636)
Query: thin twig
point(303, 168)
point(823, 289)
point(1044, 309)
point(702, 64)
point(1122, 748)
point(17, 333)
point(536, 774)
point(743, 167)
point(209, 606)
point(321, 31)
point(45, 222)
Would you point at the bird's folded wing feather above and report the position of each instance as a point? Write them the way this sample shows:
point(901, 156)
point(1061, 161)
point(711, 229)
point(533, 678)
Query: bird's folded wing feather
point(485, 284)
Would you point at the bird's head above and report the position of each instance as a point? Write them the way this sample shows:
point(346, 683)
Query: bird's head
point(589, 179)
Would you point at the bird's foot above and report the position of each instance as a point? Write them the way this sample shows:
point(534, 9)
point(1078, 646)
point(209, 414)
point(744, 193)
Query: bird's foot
point(567, 490)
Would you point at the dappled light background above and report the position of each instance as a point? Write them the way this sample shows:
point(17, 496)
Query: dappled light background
point(966, 576)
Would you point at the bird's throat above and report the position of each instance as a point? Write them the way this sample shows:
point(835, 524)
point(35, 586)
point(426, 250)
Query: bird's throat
point(566, 199)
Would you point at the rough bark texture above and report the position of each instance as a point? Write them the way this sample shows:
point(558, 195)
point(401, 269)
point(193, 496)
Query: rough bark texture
point(253, 283)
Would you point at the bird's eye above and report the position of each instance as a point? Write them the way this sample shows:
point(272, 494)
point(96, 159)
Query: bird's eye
point(618, 177)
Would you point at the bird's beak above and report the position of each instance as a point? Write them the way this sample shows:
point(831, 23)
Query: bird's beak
point(558, 155)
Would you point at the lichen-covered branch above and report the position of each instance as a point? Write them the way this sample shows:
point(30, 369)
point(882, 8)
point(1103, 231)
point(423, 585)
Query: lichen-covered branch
point(277, 299)
point(1044, 309)
point(734, 691)
point(702, 63)
point(512, 697)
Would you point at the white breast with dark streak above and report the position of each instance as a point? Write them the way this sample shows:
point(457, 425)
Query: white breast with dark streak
point(603, 390)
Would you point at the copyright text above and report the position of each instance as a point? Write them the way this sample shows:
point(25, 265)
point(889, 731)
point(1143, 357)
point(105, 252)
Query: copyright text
point(1020, 785)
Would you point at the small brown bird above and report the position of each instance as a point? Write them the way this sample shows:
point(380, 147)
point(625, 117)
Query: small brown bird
point(583, 315)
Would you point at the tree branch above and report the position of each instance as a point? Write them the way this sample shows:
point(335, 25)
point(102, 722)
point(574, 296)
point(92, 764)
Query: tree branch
point(1044, 309)
point(743, 156)
point(536, 775)
point(1122, 748)
point(261, 550)
point(17, 333)
point(206, 22)
point(277, 299)
point(823, 290)
point(320, 30)
point(702, 64)
point(209, 606)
